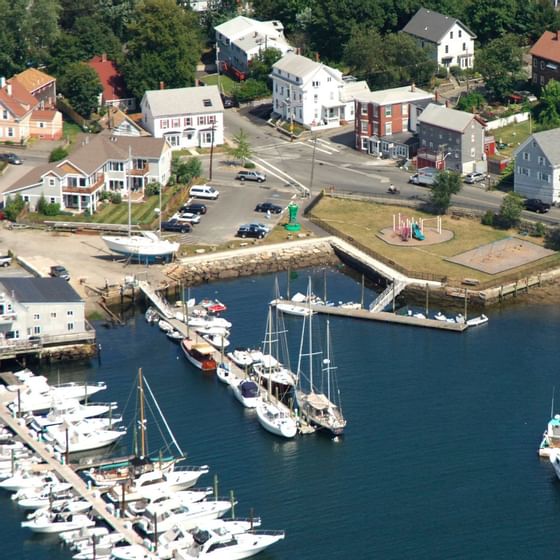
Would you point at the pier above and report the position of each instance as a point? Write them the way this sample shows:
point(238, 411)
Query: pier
point(383, 316)
point(67, 474)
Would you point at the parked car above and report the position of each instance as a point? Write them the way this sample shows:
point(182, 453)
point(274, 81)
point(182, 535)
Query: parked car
point(176, 225)
point(194, 208)
point(5, 260)
point(11, 158)
point(268, 207)
point(58, 271)
point(475, 177)
point(536, 205)
point(264, 227)
point(204, 191)
point(251, 230)
point(188, 217)
point(251, 175)
point(228, 101)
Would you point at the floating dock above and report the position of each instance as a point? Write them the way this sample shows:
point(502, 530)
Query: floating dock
point(383, 316)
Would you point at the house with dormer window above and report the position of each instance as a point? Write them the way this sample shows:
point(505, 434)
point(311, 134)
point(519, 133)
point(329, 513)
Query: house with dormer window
point(190, 117)
point(536, 173)
point(104, 162)
point(313, 94)
point(448, 41)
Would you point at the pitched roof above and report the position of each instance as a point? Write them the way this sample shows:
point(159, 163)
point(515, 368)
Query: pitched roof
point(547, 47)
point(93, 153)
point(110, 78)
point(33, 79)
point(405, 94)
point(44, 114)
point(16, 99)
point(549, 143)
point(352, 90)
point(432, 26)
point(303, 67)
point(242, 25)
point(443, 117)
point(184, 101)
point(40, 290)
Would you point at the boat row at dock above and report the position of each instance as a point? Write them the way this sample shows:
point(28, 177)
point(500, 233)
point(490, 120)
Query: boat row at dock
point(144, 506)
point(285, 402)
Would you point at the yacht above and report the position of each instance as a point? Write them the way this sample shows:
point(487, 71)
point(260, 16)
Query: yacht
point(200, 355)
point(143, 247)
point(247, 393)
point(57, 523)
point(276, 419)
point(81, 436)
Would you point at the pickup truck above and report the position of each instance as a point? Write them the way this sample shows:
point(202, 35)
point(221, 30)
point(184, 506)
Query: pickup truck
point(58, 271)
point(5, 260)
point(425, 176)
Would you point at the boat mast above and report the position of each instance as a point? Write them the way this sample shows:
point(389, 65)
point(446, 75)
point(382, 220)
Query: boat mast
point(269, 350)
point(328, 360)
point(310, 337)
point(129, 179)
point(142, 418)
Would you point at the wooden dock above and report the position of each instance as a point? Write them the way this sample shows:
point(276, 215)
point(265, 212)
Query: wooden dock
point(385, 317)
point(67, 474)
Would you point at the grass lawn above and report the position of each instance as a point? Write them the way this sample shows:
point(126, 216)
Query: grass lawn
point(226, 83)
point(363, 220)
point(70, 131)
point(512, 135)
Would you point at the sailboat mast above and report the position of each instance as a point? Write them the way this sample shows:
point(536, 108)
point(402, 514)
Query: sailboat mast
point(129, 179)
point(310, 337)
point(269, 350)
point(328, 361)
point(142, 417)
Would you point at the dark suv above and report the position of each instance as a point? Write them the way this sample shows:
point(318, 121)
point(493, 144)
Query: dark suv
point(268, 207)
point(251, 230)
point(176, 225)
point(194, 208)
point(536, 205)
point(11, 158)
point(247, 175)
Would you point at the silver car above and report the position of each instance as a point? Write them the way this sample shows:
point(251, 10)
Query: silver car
point(475, 177)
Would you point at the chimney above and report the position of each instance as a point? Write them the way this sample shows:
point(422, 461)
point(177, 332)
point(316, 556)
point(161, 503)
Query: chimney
point(161, 85)
point(104, 57)
point(9, 89)
point(413, 87)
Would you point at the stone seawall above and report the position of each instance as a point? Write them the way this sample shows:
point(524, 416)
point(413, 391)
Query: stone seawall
point(266, 260)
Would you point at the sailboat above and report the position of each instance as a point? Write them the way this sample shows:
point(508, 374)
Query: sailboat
point(274, 417)
point(317, 407)
point(144, 246)
point(141, 462)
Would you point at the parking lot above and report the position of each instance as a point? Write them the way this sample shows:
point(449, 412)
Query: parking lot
point(235, 206)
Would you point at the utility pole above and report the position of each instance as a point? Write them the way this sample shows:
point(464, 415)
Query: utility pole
point(218, 66)
point(291, 113)
point(211, 151)
point(312, 165)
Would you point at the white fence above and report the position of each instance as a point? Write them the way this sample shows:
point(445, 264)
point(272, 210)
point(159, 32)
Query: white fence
point(500, 123)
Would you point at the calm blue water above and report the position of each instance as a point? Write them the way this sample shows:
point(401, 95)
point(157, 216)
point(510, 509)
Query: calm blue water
point(439, 459)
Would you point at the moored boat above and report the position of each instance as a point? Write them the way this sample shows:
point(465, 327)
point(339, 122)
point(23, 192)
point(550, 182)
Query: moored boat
point(200, 355)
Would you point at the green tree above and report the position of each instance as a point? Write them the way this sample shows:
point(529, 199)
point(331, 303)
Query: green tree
point(81, 86)
point(39, 30)
point(242, 149)
point(164, 46)
point(493, 18)
point(500, 63)
point(471, 102)
point(446, 184)
point(261, 66)
point(540, 16)
point(510, 210)
point(58, 154)
point(185, 171)
point(64, 51)
point(548, 111)
point(250, 90)
point(96, 37)
point(552, 238)
point(13, 207)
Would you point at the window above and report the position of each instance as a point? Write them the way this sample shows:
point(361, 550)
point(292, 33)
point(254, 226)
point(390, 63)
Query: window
point(526, 156)
point(51, 182)
point(523, 171)
point(11, 132)
point(207, 102)
point(363, 109)
point(41, 125)
point(364, 144)
point(164, 123)
point(541, 160)
point(176, 123)
point(70, 313)
point(36, 317)
point(376, 129)
point(543, 176)
point(52, 200)
point(459, 33)
point(535, 78)
point(446, 49)
point(5, 114)
point(388, 110)
point(404, 124)
point(37, 330)
point(542, 64)
point(542, 80)
point(328, 79)
point(464, 46)
point(451, 34)
point(53, 314)
point(26, 198)
point(70, 326)
point(187, 121)
point(388, 129)
point(315, 84)
point(315, 98)
point(472, 137)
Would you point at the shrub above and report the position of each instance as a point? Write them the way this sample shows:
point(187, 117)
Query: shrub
point(441, 72)
point(457, 71)
point(539, 230)
point(116, 198)
point(57, 154)
point(152, 188)
point(13, 207)
point(105, 195)
point(249, 165)
point(488, 218)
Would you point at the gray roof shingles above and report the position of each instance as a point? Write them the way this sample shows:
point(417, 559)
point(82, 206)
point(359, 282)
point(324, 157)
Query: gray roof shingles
point(40, 290)
point(432, 26)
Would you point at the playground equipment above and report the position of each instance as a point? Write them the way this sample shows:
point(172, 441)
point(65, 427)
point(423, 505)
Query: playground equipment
point(293, 224)
point(409, 228)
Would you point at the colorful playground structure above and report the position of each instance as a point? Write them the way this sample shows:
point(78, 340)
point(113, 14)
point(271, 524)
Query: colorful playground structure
point(408, 228)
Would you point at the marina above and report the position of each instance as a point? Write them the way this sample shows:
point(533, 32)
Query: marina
point(446, 505)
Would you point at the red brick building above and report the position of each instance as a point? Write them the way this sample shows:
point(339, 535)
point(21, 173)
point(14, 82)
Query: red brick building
point(546, 59)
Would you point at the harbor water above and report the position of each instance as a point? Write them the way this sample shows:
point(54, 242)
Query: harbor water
point(439, 459)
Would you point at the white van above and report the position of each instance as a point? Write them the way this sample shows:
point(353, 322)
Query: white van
point(204, 191)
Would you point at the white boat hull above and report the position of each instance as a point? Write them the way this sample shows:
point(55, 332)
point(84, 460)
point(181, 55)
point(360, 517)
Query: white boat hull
point(276, 421)
point(140, 246)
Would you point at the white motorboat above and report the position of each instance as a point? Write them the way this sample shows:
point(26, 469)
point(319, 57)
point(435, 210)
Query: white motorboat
point(40, 423)
point(27, 479)
point(73, 411)
point(58, 523)
point(212, 331)
point(165, 326)
point(276, 419)
point(225, 375)
point(151, 315)
point(554, 457)
point(244, 358)
point(155, 482)
point(477, 321)
point(83, 534)
point(247, 393)
point(191, 496)
point(41, 497)
point(293, 309)
point(175, 335)
point(81, 436)
point(145, 246)
point(216, 340)
point(63, 507)
point(167, 514)
point(439, 316)
point(219, 544)
point(551, 437)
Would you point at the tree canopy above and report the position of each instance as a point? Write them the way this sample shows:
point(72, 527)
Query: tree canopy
point(548, 111)
point(81, 86)
point(165, 46)
point(446, 184)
